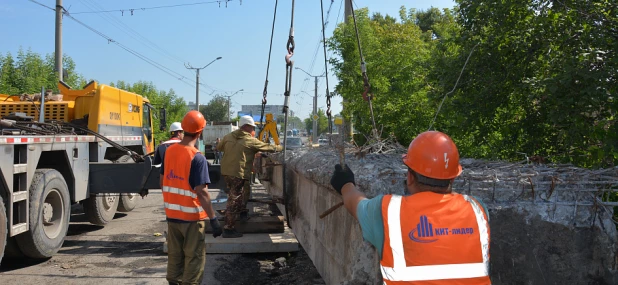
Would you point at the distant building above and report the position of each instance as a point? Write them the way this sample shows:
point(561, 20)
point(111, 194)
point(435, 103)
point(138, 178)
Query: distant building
point(256, 110)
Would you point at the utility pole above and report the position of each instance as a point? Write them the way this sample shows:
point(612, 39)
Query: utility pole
point(58, 51)
point(315, 105)
point(229, 115)
point(197, 81)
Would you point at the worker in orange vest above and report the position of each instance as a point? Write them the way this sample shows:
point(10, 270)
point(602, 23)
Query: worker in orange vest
point(187, 204)
point(432, 236)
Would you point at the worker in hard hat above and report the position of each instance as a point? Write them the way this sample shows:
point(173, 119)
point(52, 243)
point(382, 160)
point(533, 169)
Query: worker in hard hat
point(432, 235)
point(176, 134)
point(187, 204)
point(240, 147)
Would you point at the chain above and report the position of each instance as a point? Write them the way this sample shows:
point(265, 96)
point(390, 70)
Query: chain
point(265, 92)
point(289, 66)
point(366, 95)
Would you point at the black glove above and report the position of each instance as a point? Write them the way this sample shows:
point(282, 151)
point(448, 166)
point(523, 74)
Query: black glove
point(341, 177)
point(216, 228)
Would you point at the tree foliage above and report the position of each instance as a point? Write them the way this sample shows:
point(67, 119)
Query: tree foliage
point(322, 123)
point(28, 71)
point(541, 80)
point(216, 109)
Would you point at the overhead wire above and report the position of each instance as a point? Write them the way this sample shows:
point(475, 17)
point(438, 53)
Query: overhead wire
point(148, 60)
point(131, 10)
point(131, 32)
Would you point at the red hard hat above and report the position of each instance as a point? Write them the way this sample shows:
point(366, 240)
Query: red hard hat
point(193, 122)
point(433, 154)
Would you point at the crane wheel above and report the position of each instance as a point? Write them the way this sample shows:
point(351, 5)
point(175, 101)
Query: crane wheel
point(3, 228)
point(101, 208)
point(50, 211)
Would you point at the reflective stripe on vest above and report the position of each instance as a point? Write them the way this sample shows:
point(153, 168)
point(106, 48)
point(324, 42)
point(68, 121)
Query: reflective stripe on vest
point(179, 191)
point(188, 210)
point(401, 272)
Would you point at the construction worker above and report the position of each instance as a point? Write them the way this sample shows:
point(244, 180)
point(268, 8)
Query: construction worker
point(176, 134)
point(216, 151)
point(432, 235)
point(240, 147)
point(187, 204)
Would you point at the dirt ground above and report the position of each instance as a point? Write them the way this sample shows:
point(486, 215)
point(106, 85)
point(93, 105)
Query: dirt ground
point(129, 251)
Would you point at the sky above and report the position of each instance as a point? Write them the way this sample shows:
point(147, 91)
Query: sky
point(193, 34)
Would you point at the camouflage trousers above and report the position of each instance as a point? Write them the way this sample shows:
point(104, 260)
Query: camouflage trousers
point(236, 200)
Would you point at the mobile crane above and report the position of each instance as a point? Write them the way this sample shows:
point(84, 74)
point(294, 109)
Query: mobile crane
point(91, 147)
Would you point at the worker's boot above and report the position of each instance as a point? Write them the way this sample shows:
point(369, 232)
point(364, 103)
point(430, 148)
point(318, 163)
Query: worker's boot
point(231, 233)
point(244, 216)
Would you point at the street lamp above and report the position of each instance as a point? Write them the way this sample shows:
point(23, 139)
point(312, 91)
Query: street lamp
point(228, 104)
point(315, 103)
point(197, 81)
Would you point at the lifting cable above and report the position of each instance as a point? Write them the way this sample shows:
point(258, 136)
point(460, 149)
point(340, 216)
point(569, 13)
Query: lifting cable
point(289, 64)
point(366, 95)
point(328, 95)
point(265, 92)
point(328, 112)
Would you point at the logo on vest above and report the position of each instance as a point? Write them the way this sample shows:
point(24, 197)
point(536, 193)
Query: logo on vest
point(172, 176)
point(426, 233)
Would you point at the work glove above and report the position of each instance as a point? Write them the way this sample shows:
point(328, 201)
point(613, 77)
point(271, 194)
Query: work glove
point(216, 228)
point(341, 176)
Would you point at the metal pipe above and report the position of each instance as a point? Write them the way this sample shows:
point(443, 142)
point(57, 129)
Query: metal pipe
point(42, 111)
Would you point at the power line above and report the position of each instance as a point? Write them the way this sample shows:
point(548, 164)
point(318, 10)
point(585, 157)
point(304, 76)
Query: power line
point(130, 32)
point(50, 8)
point(131, 10)
point(155, 64)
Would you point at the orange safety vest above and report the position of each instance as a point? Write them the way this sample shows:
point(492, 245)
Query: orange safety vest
point(435, 239)
point(180, 200)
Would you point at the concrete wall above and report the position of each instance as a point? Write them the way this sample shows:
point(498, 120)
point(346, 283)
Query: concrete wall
point(546, 227)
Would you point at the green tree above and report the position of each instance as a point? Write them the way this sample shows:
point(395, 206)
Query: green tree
point(29, 71)
point(397, 55)
point(541, 81)
point(216, 109)
point(322, 123)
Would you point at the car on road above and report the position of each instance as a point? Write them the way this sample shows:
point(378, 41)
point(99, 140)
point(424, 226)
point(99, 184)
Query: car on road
point(323, 141)
point(293, 143)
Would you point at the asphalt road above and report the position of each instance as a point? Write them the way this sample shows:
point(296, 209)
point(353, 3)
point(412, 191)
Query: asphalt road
point(128, 250)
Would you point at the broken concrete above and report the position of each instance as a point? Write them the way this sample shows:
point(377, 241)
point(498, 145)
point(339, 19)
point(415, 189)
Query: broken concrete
point(549, 225)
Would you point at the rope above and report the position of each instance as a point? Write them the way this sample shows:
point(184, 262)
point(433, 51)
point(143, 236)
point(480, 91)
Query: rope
point(453, 90)
point(265, 92)
point(366, 95)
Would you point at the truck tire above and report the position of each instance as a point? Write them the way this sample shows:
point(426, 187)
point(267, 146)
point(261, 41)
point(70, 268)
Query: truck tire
point(128, 201)
point(101, 208)
point(3, 229)
point(50, 211)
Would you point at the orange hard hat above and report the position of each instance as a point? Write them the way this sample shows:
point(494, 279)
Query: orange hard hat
point(433, 154)
point(193, 122)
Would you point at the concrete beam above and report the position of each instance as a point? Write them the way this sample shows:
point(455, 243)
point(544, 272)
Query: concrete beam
point(547, 225)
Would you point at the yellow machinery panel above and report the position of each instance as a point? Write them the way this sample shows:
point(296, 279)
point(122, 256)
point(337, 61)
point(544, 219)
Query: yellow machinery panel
point(58, 111)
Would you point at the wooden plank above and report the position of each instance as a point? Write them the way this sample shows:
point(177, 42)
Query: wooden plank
point(253, 243)
point(261, 224)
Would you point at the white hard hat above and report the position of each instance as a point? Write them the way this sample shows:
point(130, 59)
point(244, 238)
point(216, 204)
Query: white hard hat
point(246, 120)
point(175, 126)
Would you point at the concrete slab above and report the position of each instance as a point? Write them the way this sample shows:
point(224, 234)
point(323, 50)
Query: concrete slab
point(253, 243)
point(264, 224)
